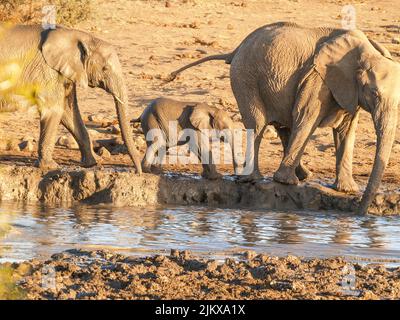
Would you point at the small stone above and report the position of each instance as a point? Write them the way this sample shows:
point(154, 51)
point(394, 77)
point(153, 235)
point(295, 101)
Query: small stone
point(24, 269)
point(185, 254)
point(229, 27)
point(104, 153)
point(369, 295)
point(249, 255)
point(26, 146)
point(174, 253)
point(93, 118)
point(67, 142)
point(114, 129)
point(396, 40)
point(168, 4)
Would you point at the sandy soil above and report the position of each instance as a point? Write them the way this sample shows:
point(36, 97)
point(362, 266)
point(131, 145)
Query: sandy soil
point(104, 275)
point(156, 37)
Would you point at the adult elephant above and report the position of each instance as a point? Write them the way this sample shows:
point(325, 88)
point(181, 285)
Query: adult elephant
point(299, 79)
point(44, 67)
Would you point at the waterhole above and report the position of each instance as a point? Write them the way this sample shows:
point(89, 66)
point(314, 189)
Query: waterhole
point(37, 231)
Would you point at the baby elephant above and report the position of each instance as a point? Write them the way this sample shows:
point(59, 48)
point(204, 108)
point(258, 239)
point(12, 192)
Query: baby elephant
point(167, 114)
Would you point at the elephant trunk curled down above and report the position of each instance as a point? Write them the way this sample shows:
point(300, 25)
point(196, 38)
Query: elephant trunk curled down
point(299, 78)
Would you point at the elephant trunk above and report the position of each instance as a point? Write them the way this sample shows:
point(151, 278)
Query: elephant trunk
point(121, 101)
point(385, 121)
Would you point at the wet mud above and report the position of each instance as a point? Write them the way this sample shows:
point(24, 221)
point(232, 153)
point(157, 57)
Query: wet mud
point(124, 188)
point(100, 274)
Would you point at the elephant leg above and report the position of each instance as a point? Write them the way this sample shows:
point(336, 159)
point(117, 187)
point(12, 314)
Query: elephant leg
point(149, 159)
point(50, 118)
point(199, 149)
point(254, 118)
point(301, 171)
point(306, 118)
point(344, 136)
point(72, 121)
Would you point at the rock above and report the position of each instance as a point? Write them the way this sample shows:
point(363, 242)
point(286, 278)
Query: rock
point(93, 118)
point(119, 149)
point(26, 146)
point(24, 269)
point(104, 153)
point(229, 27)
point(249, 255)
point(396, 40)
point(114, 129)
point(67, 142)
point(174, 253)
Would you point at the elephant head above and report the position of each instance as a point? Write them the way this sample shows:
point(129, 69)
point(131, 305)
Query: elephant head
point(204, 117)
point(88, 61)
point(360, 72)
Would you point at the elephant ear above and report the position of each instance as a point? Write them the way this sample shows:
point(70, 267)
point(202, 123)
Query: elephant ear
point(337, 62)
point(64, 52)
point(201, 118)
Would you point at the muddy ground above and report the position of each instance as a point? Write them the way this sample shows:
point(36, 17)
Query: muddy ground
point(104, 275)
point(156, 37)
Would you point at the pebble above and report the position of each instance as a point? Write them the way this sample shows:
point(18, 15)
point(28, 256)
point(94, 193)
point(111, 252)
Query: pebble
point(114, 129)
point(104, 153)
point(396, 40)
point(67, 142)
point(26, 146)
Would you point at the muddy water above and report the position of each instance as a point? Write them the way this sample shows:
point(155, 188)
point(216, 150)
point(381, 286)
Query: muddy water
point(34, 231)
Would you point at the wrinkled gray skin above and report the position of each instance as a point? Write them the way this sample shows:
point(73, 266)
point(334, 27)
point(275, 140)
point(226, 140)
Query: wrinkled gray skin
point(298, 79)
point(55, 62)
point(196, 116)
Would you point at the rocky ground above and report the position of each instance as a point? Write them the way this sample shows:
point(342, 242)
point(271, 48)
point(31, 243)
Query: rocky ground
point(104, 275)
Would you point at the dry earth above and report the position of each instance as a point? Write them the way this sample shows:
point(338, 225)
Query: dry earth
point(156, 37)
point(104, 275)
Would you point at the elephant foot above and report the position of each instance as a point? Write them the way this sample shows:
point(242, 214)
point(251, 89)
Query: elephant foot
point(254, 177)
point(303, 173)
point(286, 175)
point(346, 186)
point(46, 165)
point(91, 162)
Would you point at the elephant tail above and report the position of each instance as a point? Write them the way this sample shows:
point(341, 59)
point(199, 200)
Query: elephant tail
point(227, 57)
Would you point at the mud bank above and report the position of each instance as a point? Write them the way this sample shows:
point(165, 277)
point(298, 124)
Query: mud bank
point(123, 188)
point(79, 274)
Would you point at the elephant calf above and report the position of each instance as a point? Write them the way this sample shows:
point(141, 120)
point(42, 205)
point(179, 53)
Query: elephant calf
point(196, 116)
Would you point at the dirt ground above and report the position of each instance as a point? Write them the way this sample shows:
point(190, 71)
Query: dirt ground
point(79, 274)
point(156, 37)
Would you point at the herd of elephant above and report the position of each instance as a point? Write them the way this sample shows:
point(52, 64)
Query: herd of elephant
point(282, 74)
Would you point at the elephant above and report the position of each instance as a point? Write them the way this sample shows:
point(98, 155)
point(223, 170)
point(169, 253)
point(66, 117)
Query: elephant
point(44, 68)
point(161, 112)
point(298, 78)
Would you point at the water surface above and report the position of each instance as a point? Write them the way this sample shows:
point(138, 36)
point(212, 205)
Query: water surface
point(37, 231)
